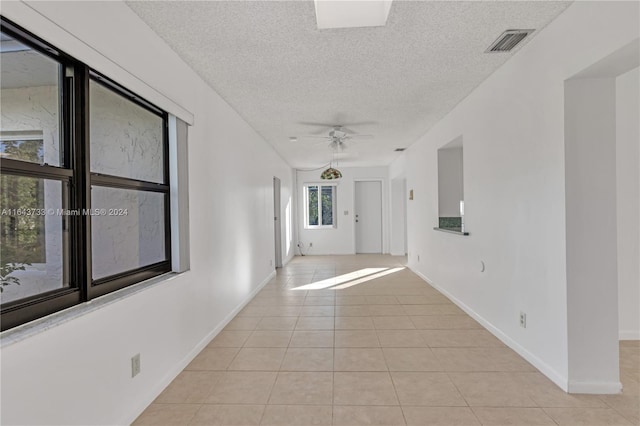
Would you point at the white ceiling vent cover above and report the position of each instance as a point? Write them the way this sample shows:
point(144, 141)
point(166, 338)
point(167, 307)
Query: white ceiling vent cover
point(508, 40)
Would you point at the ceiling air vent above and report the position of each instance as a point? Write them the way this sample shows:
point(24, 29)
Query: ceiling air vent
point(508, 40)
point(400, 149)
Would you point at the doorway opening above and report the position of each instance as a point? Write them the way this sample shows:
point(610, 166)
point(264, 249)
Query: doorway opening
point(277, 222)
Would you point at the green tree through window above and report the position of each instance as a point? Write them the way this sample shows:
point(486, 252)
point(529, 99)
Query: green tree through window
point(320, 205)
point(313, 205)
point(327, 205)
point(22, 234)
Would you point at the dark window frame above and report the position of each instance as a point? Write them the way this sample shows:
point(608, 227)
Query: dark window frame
point(75, 170)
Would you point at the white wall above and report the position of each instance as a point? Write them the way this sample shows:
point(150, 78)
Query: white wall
point(398, 210)
point(592, 278)
point(79, 372)
point(399, 235)
point(341, 240)
point(628, 206)
point(513, 128)
point(450, 182)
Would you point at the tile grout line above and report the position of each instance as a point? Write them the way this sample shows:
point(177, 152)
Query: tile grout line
point(395, 391)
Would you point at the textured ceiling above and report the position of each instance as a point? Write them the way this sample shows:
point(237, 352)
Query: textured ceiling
point(269, 61)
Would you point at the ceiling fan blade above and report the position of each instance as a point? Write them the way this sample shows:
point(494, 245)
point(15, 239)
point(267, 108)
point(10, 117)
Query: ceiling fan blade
point(324, 126)
point(360, 136)
point(348, 130)
point(345, 126)
point(362, 123)
point(314, 123)
point(313, 137)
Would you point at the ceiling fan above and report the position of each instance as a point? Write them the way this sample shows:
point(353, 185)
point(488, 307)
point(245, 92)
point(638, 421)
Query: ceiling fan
point(337, 136)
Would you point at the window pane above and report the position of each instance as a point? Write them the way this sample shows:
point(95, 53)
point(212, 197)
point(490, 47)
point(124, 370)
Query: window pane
point(327, 205)
point(31, 236)
point(127, 230)
point(30, 104)
point(313, 205)
point(126, 139)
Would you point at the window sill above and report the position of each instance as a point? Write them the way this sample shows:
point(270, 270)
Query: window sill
point(451, 231)
point(311, 228)
point(30, 329)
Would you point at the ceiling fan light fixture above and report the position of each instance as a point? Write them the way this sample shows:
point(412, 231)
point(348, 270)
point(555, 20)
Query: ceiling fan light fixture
point(331, 174)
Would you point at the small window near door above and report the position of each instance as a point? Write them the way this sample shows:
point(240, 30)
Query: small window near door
point(319, 206)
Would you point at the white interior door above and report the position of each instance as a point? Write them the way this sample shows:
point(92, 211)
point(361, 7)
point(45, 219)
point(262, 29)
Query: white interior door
point(368, 217)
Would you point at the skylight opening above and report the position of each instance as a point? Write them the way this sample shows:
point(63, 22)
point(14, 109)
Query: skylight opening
point(351, 13)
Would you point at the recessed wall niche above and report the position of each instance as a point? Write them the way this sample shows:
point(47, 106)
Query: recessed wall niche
point(451, 187)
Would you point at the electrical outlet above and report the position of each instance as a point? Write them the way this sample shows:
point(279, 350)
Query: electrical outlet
point(418, 258)
point(523, 320)
point(271, 263)
point(135, 365)
point(310, 245)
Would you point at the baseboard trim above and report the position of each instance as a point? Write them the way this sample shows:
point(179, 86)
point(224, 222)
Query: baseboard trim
point(350, 253)
point(319, 253)
point(542, 366)
point(595, 387)
point(173, 373)
point(629, 335)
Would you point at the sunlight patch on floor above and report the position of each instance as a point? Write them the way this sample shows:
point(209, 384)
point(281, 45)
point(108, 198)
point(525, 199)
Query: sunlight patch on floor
point(350, 279)
point(369, 278)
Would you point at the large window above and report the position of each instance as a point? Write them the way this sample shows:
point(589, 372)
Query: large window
point(84, 182)
point(320, 206)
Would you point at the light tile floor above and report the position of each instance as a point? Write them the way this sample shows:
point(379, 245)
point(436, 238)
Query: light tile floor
point(355, 340)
